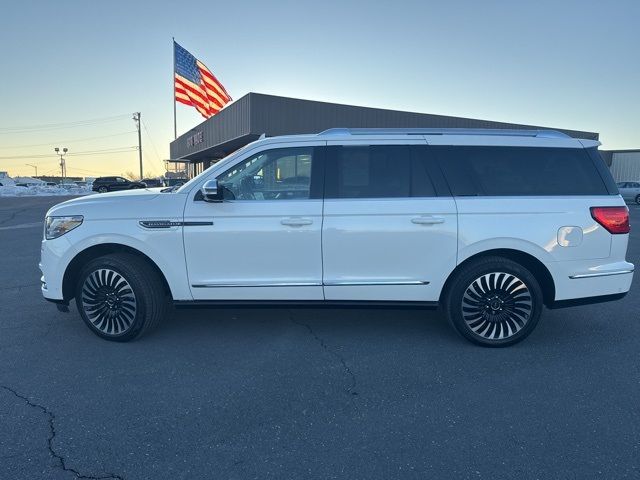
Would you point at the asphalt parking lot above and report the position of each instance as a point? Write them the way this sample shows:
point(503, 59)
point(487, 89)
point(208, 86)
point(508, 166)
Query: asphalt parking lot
point(237, 393)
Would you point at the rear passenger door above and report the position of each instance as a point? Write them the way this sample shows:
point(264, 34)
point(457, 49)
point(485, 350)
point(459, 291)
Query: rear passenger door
point(389, 229)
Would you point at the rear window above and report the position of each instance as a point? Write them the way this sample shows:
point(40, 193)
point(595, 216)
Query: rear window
point(514, 171)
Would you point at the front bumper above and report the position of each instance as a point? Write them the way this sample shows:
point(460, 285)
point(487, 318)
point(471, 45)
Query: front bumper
point(55, 255)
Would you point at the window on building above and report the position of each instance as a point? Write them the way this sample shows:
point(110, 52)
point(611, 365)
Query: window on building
point(279, 174)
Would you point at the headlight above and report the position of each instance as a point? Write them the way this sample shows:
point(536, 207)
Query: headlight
point(55, 227)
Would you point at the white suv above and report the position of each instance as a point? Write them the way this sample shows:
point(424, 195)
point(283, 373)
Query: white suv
point(491, 225)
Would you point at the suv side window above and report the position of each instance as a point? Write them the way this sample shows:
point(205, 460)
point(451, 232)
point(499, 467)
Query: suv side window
point(121, 180)
point(278, 174)
point(377, 171)
point(514, 171)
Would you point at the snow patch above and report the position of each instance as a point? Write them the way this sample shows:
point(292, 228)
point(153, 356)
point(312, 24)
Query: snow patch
point(43, 191)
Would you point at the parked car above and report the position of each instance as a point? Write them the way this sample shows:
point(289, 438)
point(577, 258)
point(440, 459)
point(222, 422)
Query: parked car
point(153, 182)
point(479, 222)
point(630, 191)
point(110, 184)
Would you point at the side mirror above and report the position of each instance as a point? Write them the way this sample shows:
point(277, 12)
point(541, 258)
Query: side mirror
point(210, 192)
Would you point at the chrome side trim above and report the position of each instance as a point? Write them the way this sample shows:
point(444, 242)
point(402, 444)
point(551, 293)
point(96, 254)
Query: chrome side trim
point(372, 283)
point(600, 274)
point(157, 224)
point(303, 284)
point(257, 284)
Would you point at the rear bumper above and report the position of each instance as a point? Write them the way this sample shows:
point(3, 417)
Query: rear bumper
point(575, 282)
point(575, 302)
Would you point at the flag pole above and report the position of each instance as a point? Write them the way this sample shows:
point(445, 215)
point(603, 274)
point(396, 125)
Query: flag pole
point(173, 86)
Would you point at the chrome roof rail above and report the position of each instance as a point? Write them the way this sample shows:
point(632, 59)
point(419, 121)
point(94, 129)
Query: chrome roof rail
point(445, 131)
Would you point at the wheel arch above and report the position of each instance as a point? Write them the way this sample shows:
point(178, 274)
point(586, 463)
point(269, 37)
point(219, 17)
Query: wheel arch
point(75, 266)
point(530, 262)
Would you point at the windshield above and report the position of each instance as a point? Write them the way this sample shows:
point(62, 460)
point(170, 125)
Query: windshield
point(187, 186)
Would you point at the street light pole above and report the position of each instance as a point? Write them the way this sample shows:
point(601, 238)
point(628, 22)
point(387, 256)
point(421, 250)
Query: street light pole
point(63, 164)
point(34, 166)
point(136, 118)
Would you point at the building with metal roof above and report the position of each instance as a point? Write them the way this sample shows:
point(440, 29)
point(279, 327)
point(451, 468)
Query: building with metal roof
point(256, 114)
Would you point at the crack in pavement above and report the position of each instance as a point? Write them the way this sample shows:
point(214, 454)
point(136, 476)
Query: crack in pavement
point(351, 389)
point(21, 286)
point(52, 435)
point(13, 215)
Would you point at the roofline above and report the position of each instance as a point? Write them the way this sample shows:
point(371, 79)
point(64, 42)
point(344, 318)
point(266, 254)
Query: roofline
point(511, 132)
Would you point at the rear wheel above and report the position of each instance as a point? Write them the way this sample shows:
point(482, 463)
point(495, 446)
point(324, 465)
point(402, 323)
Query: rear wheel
point(120, 297)
point(494, 302)
point(103, 189)
point(638, 200)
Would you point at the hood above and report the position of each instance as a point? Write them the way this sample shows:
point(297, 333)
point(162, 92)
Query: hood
point(124, 204)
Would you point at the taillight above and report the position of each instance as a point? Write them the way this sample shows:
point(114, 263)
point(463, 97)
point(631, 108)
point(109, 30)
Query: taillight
point(614, 219)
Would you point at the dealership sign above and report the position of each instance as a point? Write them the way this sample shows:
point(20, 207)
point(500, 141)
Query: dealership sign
point(194, 139)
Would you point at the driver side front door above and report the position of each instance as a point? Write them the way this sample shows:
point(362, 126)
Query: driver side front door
point(263, 241)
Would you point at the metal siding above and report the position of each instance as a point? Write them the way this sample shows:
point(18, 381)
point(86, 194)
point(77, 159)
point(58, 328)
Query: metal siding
point(230, 123)
point(286, 116)
point(625, 166)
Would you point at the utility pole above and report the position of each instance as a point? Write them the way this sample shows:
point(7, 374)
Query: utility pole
point(136, 118)
point(34, 166)
point(63, 163)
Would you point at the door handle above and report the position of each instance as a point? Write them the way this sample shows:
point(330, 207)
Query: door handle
point(296, 222)
point(427, 220)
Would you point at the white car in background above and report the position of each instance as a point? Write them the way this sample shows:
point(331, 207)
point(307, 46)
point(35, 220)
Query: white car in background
point(482, 223)
point(630, 191)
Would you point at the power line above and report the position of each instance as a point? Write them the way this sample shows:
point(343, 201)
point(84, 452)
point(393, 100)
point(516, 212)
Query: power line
point(68, 141)
point(56, 126)
point(153, 145)
point(76, 154)
point(91, 171)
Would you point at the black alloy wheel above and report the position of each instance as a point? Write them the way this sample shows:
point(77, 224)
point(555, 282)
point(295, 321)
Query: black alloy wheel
point(493, 301)
point(121, 296)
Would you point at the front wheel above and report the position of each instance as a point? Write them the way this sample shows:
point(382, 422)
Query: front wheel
point(120, 297)
point(638, 200)
point(494, 302)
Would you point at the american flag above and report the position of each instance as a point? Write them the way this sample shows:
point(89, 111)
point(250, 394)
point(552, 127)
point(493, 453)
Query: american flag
point(195, 84)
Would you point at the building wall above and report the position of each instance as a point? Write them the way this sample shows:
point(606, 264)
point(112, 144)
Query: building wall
point(625, 165)
point(255, 114)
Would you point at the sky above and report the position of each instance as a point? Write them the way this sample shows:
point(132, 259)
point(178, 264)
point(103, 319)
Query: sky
point(90, 65)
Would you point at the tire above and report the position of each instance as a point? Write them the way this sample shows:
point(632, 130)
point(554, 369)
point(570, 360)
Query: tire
point(494, 302)
point(120, 297)
point(103, 190)
point(638, 200)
